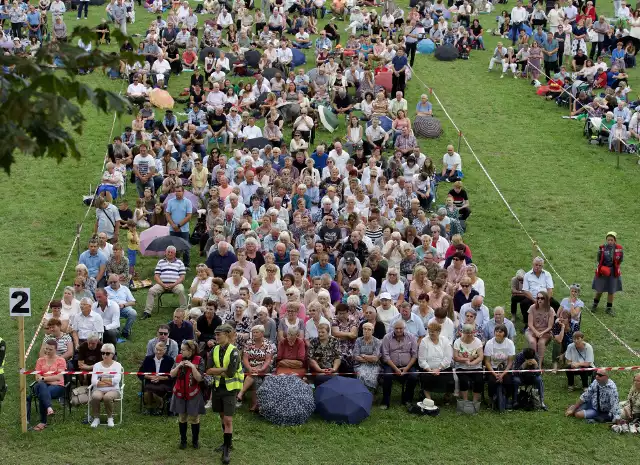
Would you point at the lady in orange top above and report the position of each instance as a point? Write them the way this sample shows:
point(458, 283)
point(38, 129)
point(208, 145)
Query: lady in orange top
point(47, 387)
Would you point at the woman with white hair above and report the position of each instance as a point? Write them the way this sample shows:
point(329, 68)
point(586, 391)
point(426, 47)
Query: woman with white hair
point(366, 357)
point(257, 361)
point(517, 294)
point(327, 308)
point(105, 384)
point(70, 305)
point(268, 323)
point(394, 286)
point(292, 352)
point(476, 282)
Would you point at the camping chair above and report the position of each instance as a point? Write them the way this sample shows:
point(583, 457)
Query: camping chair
point(166, 398)
point(119, 400)
point(160, 305)
point(65, 399)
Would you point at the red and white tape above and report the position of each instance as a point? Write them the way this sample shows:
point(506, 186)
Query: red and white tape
point(143, 373)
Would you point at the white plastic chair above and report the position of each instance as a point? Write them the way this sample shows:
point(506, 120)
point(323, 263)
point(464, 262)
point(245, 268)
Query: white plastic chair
point(119, 400)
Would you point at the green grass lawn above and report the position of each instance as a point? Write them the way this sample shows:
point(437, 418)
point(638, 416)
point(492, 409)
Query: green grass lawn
point(567, 194)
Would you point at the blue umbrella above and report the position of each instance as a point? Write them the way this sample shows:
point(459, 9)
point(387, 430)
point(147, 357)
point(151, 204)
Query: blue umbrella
point(426, 46)
point(343, 400)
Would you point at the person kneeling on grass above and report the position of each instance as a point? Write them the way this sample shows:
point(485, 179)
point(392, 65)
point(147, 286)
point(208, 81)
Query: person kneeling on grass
point(599, 403)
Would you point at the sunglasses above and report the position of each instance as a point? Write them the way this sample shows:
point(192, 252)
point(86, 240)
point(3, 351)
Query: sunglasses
point(599, 375)
point(163, 334)
point(464, 285)
point(106, 353)
point(539, 298)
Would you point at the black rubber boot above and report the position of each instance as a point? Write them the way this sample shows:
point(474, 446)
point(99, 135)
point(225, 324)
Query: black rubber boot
point(183, 435)
point(195, 435)
point(226, 448)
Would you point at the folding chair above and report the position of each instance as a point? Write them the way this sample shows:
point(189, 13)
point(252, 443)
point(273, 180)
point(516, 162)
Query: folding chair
point(165, 398)
point(119, 400)
point(65, 398)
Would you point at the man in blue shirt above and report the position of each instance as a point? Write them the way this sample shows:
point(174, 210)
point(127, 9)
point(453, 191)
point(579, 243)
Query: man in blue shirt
point(178, 213)
point(550, 54)
point(399, 79)
point(614, 76)
point(95, 261)
point(322, 266)
point(33, 21)
point(125, 300)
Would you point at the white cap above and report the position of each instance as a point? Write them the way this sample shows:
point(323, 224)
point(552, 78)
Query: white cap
point(385, 295)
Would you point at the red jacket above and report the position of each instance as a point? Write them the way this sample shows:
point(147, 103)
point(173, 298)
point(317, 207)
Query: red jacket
point(617, 258)
point(185, 386)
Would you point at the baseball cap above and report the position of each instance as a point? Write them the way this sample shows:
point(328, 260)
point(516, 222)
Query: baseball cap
point(350, 257)
point(225, 328)
point(385, 296)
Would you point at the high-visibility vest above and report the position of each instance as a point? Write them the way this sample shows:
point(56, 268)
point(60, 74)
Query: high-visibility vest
point(234, 383)
point(2, 364)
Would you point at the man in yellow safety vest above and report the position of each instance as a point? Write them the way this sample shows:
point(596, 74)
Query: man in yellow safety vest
point(225, 368)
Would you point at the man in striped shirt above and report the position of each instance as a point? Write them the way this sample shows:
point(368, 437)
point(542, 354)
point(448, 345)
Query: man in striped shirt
point(169, 275)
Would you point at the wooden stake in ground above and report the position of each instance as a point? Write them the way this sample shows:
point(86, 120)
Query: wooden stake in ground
point(19, 307)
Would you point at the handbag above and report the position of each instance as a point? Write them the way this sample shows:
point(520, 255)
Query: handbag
point(467, 407)
point(80, 396)
point(604, 271)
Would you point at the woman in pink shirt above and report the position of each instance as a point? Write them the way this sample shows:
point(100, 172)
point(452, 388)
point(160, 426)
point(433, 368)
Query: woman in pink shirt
point(50, 386)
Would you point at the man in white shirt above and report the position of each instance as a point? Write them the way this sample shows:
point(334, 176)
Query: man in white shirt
point(366, 284)
point(161, 70)
point(571, 13)
point(624, 12)
point(451, 165)
point(237, 206)
point(535, 281)
point(340, 157)
point(215, 98)
point(224, 19)
point(302, 39)
point(110, 313)
point(260, 86)
point(86, 322)
point(518, 19)
point(285, 56)
point(251, 131)
point(137, 92)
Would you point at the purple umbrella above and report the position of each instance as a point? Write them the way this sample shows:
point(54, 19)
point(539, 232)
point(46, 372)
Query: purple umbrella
point(195, 200)
point(147, 236)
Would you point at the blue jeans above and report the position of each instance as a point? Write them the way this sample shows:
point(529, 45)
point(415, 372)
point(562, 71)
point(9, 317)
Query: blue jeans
point(537, 383)
point(44, 393)
point(140, 186)
point(590, 413)
point(81, 6)
point(131, 315)
point(186, 257)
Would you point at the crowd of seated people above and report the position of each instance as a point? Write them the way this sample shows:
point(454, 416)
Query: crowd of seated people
point(324, 258)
